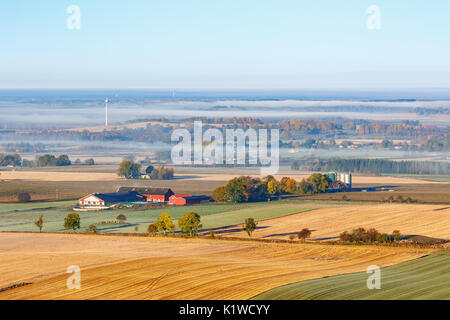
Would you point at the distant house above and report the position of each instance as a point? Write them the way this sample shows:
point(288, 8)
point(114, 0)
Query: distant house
point(187, 199)
point(151, 194)
point(107, 199)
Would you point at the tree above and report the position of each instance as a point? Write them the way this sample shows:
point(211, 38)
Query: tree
point(72, 221)
point(345, 236)
point(165, 223)
point(273, 187)
point(372, 235)
point(149, 170)
point(129, 170)
point(152, 228)
point(236, 190)
point(305, 233)
point(220, 194)
point(23, 197)
point(304, 187)
point(190, 223)
point(319, 182)
point(92, 228)
point(249, 226)
point(39, 222)
point(89, 162)
point(397, 235)
point(291, 186)
point(62, 160)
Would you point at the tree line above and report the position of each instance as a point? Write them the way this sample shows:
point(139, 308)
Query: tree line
point(46, 160)
point(248, 189)
point(378, 166)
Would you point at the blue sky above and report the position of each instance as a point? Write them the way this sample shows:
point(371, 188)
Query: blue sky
point(225, 44)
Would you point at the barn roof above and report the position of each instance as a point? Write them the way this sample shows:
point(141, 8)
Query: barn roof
point(150, 190)
point(121, 196)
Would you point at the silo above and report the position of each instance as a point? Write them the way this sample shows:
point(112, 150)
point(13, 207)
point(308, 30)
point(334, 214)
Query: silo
point(332, 176)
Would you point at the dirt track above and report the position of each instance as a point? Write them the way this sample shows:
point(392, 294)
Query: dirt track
point(165, 268)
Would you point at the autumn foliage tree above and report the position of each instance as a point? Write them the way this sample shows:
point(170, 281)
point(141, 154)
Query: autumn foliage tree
point(165, 223)
point(304, 234)
point(190, 223)
point(220, 194)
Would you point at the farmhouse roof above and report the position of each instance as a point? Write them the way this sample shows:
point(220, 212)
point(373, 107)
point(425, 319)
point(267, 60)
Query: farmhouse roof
point(123, 196)
point(155, 191)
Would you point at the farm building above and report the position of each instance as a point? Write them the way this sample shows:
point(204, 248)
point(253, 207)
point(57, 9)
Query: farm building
point(187, 199)
point(340, 181)
point(151, 194)
point(107, 199)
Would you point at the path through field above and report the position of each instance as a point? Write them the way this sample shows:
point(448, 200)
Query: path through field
point(115, 267)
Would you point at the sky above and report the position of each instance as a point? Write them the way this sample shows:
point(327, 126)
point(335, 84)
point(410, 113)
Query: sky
point(233, 44)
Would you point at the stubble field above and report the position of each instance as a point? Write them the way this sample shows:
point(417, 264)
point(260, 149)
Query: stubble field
point(115, 267)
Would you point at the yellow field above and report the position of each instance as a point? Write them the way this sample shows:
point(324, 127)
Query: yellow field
point(101, 176)
point(166, 268)
point(410, 219)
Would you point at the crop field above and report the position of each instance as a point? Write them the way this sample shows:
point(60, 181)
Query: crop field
point(328, 223)
point(20, 217)
point(114, 267)
point(424, 278)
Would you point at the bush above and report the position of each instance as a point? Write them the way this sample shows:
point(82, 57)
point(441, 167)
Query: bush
point(384, 238)
point(122, 218)
point(92, 228)
point(152, 229)
point(23, 197)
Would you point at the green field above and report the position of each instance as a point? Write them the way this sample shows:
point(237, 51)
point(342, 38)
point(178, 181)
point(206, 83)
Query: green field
point(424, 278)
point(20, 217)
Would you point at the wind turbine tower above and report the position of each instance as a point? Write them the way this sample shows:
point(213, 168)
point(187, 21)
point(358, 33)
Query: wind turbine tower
point(106, 112)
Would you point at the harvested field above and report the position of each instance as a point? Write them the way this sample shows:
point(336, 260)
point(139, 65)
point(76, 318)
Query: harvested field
point(58, 176)
point(68, 175)
point(116, 267)
point(328, 223)
point(424, 278)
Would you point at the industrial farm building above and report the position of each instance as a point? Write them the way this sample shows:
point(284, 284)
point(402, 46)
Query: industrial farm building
point(108, 199)
point(140, 196)
point(339, 181)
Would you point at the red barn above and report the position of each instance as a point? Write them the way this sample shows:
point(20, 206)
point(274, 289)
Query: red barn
point(151, 194)
point(183, 199)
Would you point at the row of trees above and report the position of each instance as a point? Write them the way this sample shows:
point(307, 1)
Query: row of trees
point(382, 166)
point(248, 189)
point(46, 160)
point(132, 170)
point(361, 235)
point(189, 223)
